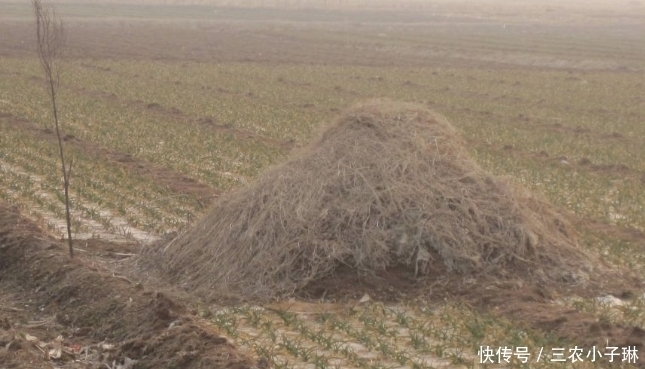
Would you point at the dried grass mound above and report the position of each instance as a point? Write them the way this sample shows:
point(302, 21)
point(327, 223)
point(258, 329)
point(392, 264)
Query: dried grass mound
point(388, 184)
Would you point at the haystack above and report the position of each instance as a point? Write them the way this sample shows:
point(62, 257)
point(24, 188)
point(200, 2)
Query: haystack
point(388, 184)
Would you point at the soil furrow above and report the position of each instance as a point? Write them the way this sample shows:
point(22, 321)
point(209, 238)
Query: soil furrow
point(176, 114)
point(180, 116)
point(177, 182)
point(584, 164)
point(552, 125)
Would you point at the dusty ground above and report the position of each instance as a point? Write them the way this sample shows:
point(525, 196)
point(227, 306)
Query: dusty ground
point(103, 316)
point(528, 304)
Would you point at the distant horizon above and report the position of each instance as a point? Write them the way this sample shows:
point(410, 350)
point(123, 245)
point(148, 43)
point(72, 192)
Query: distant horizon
point(634, 7)
point(349, 2)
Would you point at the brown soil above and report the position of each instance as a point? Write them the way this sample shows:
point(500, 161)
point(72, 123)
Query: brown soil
point(45, 294)
point(634, 236)
point(212, 42)
point(528, 304)
point(431, 39)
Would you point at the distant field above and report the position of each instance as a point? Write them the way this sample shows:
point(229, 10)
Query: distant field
point(162, 116)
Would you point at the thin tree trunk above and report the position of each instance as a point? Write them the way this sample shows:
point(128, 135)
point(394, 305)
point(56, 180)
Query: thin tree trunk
point(50, 38)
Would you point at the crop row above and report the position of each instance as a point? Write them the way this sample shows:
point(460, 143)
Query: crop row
point(371, 335)
point(105, 194)
point(160, 119)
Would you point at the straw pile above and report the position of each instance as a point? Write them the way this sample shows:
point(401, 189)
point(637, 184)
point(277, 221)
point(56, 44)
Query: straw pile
point(388, 184)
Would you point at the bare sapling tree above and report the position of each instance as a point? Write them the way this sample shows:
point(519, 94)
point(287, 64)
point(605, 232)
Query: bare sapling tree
point(50, 36)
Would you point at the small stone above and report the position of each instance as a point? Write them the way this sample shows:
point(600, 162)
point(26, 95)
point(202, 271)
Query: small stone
point(610, 300)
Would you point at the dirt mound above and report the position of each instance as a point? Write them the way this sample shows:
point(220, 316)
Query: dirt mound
point(387, 185)
point(103, 318)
